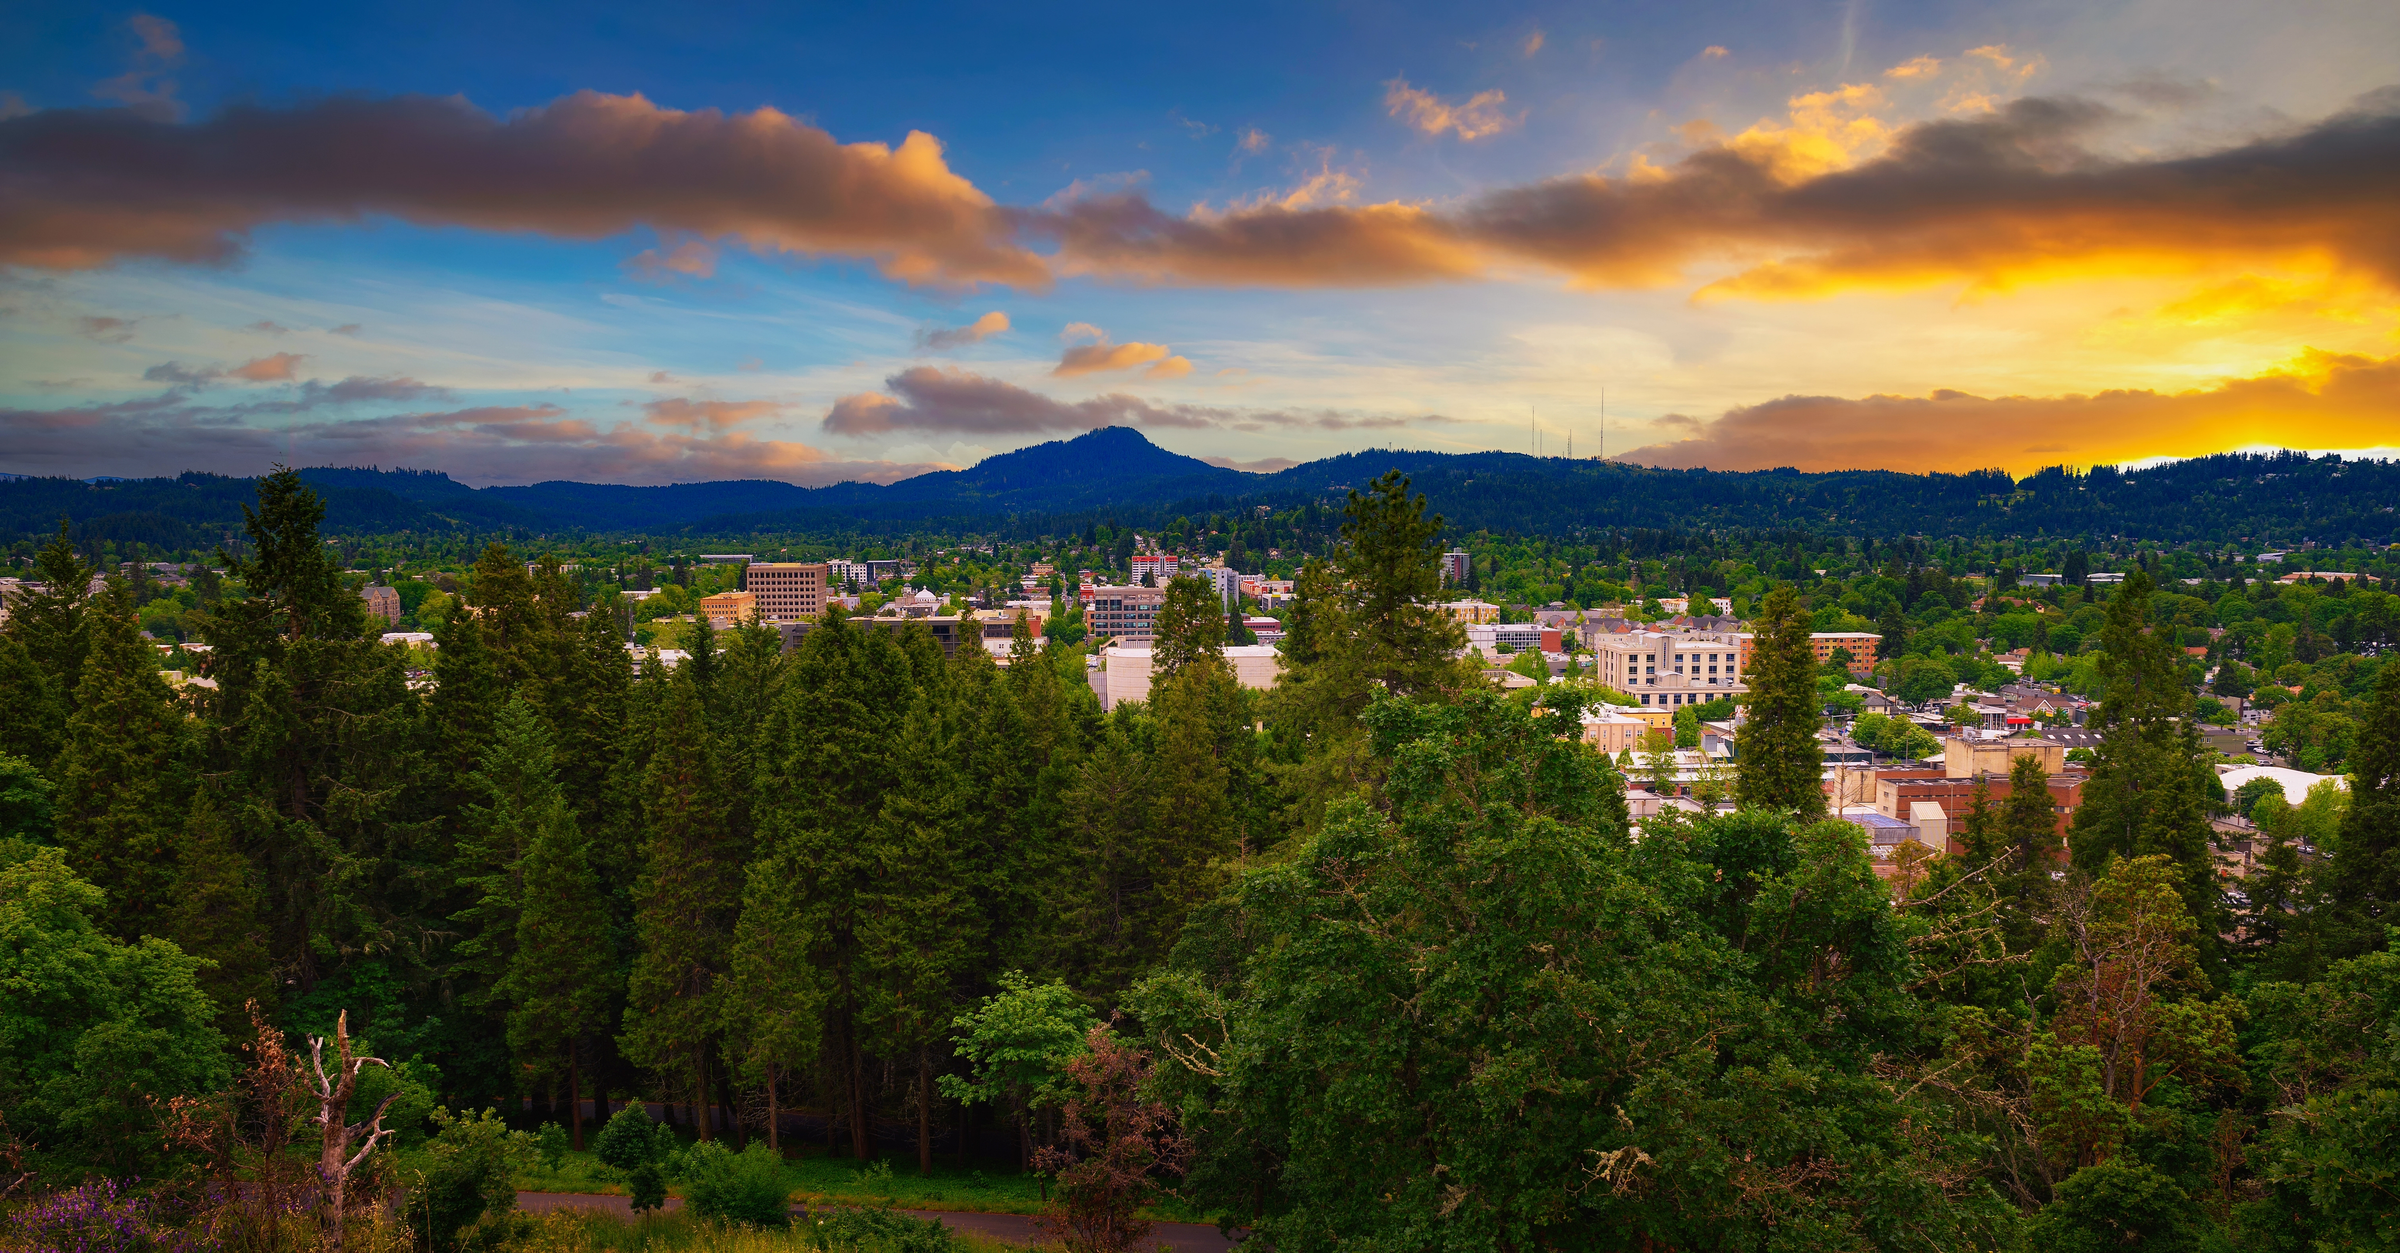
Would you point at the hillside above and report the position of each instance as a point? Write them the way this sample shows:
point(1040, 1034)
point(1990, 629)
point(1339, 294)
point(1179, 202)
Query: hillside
point(1118, 473)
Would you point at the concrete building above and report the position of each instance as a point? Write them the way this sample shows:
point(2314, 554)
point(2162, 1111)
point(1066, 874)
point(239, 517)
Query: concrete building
point(1124, 672)
point(785, 590)
point(1125, 614)
point(1970, 757)
point(726, 609)
point(1661, 669)
point(1454, 567)
point(1226, 582)
point(1612, 730)
point(1515, 636)
point(1471, 612)
point(382, 602)
point(1159, 566)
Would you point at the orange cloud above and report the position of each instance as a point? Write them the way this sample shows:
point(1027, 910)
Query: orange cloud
point(1171, 368)
point(85, 188)
point(715, 415)
point(942, 339)
point(960, 402)
point(1479, 117)
point(1915, 68)
point(275, 369)
point(1096, 358)
point(2330, 400)
point(2013, 197)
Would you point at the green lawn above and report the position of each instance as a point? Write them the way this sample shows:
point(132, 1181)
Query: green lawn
point(894, 1181)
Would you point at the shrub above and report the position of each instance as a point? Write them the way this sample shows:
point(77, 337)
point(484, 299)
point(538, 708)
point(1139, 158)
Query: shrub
point(746, 1187)
point(854, 1230)
point(637, 1147)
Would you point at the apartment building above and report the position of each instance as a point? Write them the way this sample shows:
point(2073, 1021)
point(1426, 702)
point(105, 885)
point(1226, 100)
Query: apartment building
point(1454, 566)
point(783, 590)
point(1125, 614)
point(1863, 647)
point(1660, 669)
point(1225, 581)
point(1159, 566)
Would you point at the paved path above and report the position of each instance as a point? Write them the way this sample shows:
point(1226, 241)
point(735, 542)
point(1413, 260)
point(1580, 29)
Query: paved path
point(1181, 1237)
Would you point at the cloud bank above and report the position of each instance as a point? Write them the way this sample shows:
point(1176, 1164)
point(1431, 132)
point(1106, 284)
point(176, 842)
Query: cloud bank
point(958, 402)
point(81, 188)
point(2022, 192)
point(2323, 400)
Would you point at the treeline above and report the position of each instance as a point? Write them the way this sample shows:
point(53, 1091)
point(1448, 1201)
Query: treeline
point(1406, 972)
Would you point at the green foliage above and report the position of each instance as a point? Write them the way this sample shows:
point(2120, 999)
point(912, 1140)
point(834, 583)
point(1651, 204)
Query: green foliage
point(1492, 966)
point(879, 1230)
point(469, 1180)
point(746, 1187)
point(637, 1148)
point(550, 1145)
point(2113, 1206)
point(1017, 1044)
point(91, 1028)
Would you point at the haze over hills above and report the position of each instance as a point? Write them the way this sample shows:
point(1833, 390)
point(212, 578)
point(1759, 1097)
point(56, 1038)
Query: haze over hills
point(1117, 473)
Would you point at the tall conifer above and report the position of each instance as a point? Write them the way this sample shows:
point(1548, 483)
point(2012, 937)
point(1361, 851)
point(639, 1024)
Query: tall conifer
point(1781, 762)
point(123, 774)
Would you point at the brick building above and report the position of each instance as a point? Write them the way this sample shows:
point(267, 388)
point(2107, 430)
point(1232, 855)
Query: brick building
point(788, 590)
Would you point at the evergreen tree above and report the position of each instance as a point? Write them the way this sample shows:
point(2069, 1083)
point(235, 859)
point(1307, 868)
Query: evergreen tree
point(687, 901)
point(1190, 625)
point(1979, 832)
point(214, 914)
point(561, 982)
point(1115, 917)
point(1781, 762)
point(2146, 794)
point(42, 646)
point(1893, 627)
point(509, 611)
point(2366, 861)
point(1391, 563)
point(519, 803)
point(589, 707)
point(123, 773)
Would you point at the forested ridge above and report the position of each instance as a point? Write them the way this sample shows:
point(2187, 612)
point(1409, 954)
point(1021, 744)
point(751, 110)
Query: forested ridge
point(1377, 955)
point(1117, 476)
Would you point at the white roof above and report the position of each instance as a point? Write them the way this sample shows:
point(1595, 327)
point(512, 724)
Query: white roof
point(2295, 782)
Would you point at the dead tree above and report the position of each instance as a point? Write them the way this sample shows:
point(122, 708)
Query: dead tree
point(333, 1112)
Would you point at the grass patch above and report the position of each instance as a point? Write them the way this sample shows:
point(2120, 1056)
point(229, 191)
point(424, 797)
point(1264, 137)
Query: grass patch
point(818, 1179)
point(587, 1231)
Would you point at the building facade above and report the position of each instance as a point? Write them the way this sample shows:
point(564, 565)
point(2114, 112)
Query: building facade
point(1159, 566)
point(725, 609)
point(382, 602)
point(1454, 567)
point(1515, 636)
point(1125, 671)
point(1125, 614)
point(784, 590)
point(1659, 669)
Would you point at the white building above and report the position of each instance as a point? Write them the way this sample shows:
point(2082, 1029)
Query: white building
point(1126, 672)
point(1159, 566)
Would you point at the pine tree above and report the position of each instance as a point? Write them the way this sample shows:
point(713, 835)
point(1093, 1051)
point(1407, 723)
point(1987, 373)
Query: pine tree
point(518, 803)
point(1894, 629)
point(1190, 626)
point(2366, 862)
point(42, 646)
point(215, 914)
point(687, 901)
point(124, 773)
point(1782, 763)
point(561, 982)
point(2145, 795)
point(1979, 833)
point(589, 707)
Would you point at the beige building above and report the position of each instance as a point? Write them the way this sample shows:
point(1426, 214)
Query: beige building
point(788, 590)
point(1613, 730)
point(1471, 612)
point(1660, 669)
point(1125, 672)
point(382, 602)
point(1965, 759)
point(726, 609)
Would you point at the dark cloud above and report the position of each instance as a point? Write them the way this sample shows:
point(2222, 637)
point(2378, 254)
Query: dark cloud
point(351, 329)
point(955, 401)
point(82, 188)
point(107, 330)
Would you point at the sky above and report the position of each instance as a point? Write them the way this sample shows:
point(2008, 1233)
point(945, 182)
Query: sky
point(817, 243)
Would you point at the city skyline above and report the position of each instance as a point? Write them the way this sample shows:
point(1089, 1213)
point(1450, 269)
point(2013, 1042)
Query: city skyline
point(617, 245)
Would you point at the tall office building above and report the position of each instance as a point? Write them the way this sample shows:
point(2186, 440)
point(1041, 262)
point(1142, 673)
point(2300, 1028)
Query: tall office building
point(785, 590)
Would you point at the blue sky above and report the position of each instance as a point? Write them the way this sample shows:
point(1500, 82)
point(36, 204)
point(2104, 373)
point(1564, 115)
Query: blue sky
point(1440, 295)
